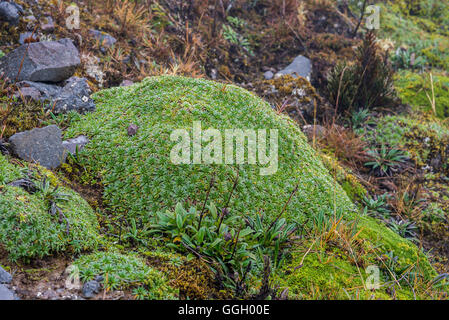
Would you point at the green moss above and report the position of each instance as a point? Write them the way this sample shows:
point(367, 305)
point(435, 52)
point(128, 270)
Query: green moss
point(353, 188)
point(412, 89)
point(140, 179)
point(330, 273)
point(28, 230)
point(122, 272)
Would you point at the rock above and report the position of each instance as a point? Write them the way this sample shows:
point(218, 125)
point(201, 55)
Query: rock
point(268, 75)
point(74, 95)
point(90, 289)
point(46, 91)
point(10, 12)
point(301, 66)
point(72, 145)
point(126, 83)
point(47, 61)
point(132, 130)
point(5, 277)
point(104, 38)
point(26, 37)
point(47, 24)
point(28, 92)
point(42, 145)
point(6, 294)
point(314, 130)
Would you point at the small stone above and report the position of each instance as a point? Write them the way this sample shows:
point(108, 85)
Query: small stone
point(301, 67)
point(132, 130)
point(105, 39)
point(126, 83)
point(90, 289)
point(47, 24)
point(268, 75)
point(28, 37)
point(5, 277)
point(314, 131)
point(78, 143)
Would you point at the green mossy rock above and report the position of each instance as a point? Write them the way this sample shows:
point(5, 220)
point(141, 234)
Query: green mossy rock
point(140, 179)
point(28, 230)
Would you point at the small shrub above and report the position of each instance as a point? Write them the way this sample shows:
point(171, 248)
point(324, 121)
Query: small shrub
point(366, 84)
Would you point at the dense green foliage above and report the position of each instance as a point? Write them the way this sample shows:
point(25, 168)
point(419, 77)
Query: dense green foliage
point(28, 226)
point(121, 272)
point(140, 179)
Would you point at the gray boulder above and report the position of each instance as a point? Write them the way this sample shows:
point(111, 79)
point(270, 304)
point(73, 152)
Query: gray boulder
point(301, 66)
point(47, 61)
point(6, 294)
point(10, 12)
point(5, 277)
point(41, 145)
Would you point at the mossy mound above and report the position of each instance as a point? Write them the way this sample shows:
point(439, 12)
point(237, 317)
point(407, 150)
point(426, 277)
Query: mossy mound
point(140, 179)
point(122, 272)
point(27, 227)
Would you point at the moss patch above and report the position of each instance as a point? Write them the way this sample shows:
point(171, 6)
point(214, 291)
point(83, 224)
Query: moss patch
point(122, 272)
point(28, 230)
point(412, 89)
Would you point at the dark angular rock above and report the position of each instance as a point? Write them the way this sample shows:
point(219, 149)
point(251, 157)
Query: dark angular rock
point(41, 145)
point(90, 289)
point(105, 39)
point(301, 66)
point(10, 12)
point(5, 277)
point(47, 61)
point(46, 91)
point(75, 95)
point(72, 145)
